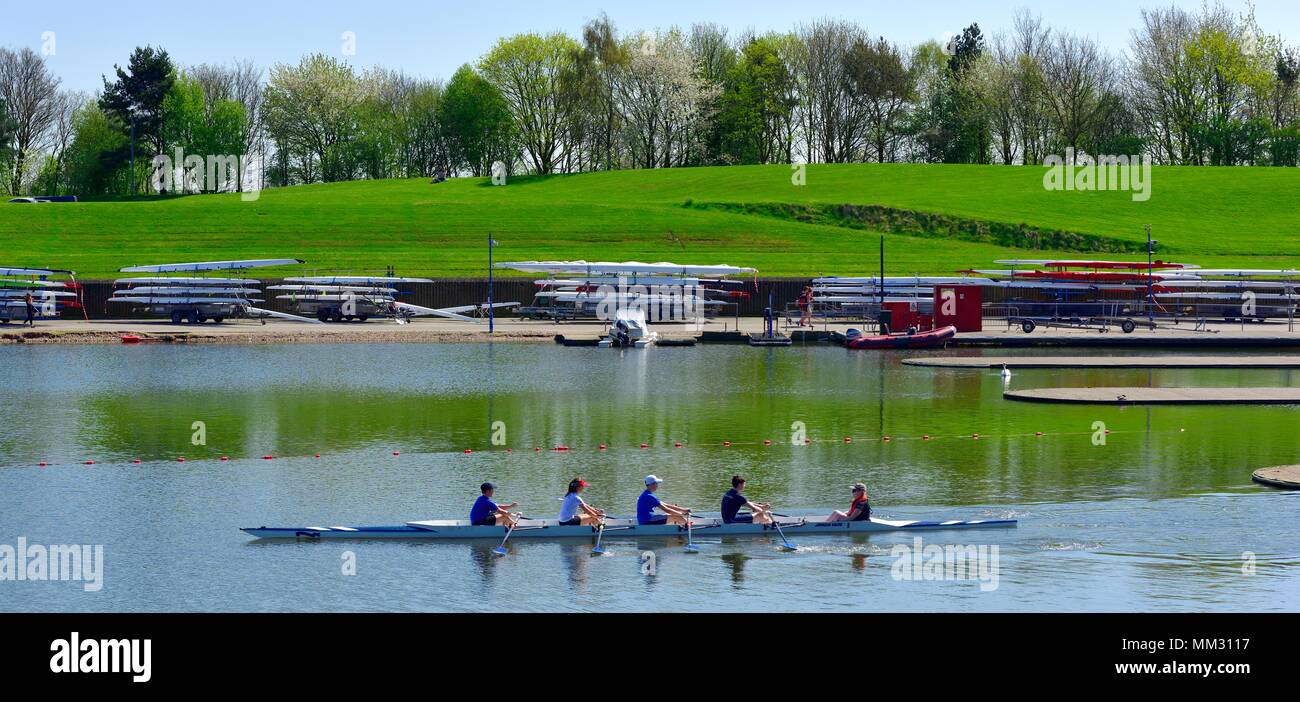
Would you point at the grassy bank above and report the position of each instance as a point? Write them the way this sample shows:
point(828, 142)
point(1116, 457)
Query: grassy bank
point(936, 218)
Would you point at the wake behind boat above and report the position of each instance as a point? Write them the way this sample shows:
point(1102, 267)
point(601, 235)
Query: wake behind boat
point(614, 528)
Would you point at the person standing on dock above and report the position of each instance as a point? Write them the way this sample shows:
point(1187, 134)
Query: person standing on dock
point(488, 513)
point(859, 510)
point(648, 502)
point(31, 310)
point(733, 501)
point(805, 306)
point(575, 511)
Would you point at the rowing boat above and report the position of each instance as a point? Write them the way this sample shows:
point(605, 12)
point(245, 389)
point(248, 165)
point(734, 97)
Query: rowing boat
point(614, 528)
point(919, 340)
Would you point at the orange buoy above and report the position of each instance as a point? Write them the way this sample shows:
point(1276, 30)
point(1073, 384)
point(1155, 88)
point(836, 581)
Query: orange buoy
point(677, 445)
point(465, 451)
point(1038, 433)
point(89, 463)
point(848, 439)
point(767, 442)
point(181, 459)
point(268, 458)
point(225, 458)
point(41, 464)
point(886, 439)
point(603, 447)
point(645, 446)
point(726, 443)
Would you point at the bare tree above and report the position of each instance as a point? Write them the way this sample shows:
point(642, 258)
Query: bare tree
point(833, 120)
point(1076, 73)
point(884, 86)
point(31, 95)
point(1001, 75)
point(1164, 85)
point(1029, 40)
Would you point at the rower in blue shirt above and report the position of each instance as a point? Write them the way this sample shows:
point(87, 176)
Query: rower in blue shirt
point(733, 501)
point(647, 503)
point(485, 512)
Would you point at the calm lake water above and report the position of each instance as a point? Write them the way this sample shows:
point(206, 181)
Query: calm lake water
point(1162, 517)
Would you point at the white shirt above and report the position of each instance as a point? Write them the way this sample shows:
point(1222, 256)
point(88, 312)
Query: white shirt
point(569, 509)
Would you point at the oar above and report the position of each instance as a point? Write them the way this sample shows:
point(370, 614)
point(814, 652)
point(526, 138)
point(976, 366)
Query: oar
point(785, 542)
point(690, 543)
point(600, 531)
point(501, 550)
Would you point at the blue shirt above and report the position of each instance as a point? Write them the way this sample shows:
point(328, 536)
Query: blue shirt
point(645, 507)
point(483, 508)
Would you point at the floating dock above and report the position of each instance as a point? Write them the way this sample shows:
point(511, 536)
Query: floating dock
point(1233, 337)
point(1159, 396)
point(1285, 477)
point(1107, 362)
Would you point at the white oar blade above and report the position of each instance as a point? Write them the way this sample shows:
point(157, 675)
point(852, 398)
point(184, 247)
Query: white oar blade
point(258, 312)
point(418, 311)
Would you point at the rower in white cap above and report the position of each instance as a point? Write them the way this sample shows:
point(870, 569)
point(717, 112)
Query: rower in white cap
point(647, 503)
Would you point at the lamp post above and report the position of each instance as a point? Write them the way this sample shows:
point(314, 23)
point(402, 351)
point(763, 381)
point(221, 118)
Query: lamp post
point(491, 314)
point(1151, 249)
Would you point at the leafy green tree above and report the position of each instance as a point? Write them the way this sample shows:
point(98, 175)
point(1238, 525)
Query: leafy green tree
point(477, 123)
point(528, 70)
point(598, 65)
point(136, 97)
point(756, 103)
point(426, 148)
point(311, 110)
point(92, 168)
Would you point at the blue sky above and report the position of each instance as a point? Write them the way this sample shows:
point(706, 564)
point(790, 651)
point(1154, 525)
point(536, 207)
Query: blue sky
point(432, 38)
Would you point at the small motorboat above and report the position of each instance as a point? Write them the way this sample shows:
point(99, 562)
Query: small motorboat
point(855, 339)
point(629, 330)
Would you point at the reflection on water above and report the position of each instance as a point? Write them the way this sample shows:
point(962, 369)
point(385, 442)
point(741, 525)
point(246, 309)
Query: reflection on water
point(1162, 516)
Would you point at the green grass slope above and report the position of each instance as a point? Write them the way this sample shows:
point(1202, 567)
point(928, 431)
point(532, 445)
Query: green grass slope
point(1248, 217)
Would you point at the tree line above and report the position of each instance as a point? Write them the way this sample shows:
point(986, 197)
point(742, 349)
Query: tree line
point(1208, 87)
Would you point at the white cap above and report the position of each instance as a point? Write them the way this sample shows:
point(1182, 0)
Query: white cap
point(651, 480)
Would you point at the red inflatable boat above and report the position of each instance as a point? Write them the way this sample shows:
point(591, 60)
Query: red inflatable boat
point(919, 340)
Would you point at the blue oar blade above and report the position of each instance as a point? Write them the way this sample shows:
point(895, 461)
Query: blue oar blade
point(499, 550)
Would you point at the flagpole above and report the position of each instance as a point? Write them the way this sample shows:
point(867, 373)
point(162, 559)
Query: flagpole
point(491, 316)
